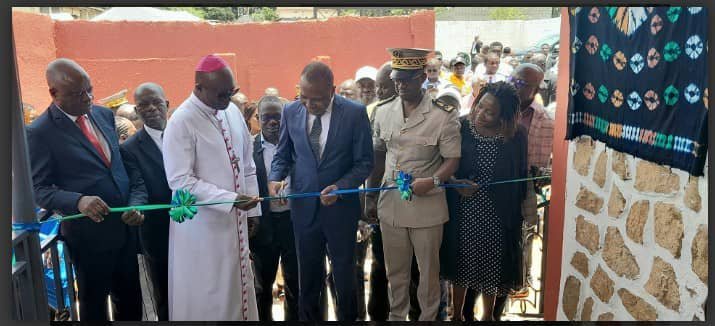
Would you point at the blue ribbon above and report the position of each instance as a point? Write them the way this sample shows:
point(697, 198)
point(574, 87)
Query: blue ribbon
point(33, 227)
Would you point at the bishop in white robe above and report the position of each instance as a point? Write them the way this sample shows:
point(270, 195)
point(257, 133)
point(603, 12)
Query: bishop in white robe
point(208, 151)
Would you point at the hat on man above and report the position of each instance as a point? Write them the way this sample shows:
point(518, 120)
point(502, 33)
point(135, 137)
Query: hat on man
point(465, 56)
point(115, 100)
point(459, 59)
point(366, 72)
point(448, 98)
point(406, 62)
point(211, 63)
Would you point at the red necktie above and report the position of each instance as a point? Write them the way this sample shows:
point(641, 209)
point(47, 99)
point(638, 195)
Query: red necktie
point(82, 123)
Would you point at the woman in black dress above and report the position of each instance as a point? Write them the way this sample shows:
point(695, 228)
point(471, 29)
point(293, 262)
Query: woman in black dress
point(481, 244)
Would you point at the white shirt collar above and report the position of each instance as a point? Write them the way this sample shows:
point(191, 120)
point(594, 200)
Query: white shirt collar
point(71, 117)
point(266, 143)
point(153, 132)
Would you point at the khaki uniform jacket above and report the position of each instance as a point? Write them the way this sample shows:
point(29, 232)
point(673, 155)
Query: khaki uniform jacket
point(418, 146)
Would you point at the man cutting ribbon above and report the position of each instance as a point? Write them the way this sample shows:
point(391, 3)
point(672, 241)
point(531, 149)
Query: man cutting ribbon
point(208, 151)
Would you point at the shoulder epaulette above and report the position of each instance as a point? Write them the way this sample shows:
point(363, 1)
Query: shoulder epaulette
point(387, 100)
point(443, 105)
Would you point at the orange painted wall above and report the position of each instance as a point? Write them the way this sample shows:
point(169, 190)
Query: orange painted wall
point(121, 55)
point(35, 48)
point(555, 233)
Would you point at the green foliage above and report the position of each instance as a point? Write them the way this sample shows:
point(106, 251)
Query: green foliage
point(348, 12)
point(400, 12)
point(441, 10)
point(265, 14)
point(507, 13)
point(196, 11)
point(222, 14)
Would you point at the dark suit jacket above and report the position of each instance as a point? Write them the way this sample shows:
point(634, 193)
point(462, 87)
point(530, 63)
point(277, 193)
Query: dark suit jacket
point(264, 236)
point(145, 166)
point(347, 160)
point(65, 166)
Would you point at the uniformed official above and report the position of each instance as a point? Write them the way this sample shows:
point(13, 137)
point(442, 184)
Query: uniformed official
point(412, 134)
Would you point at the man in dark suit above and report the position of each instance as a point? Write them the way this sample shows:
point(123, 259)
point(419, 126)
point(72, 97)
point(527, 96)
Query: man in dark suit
point(324, 145)
point(145, 166)
point(77, 168)
point(273, 240)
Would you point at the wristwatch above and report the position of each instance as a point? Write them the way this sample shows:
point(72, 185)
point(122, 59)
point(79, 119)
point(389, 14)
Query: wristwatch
point(436, 181)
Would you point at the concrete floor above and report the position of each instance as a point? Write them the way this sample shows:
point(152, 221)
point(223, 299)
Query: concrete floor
point(512, 314)
point(529, 303)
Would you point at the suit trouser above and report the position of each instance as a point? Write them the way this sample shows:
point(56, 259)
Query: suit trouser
point(360, 253)
point(399, 245)
point(414, 313)
point(101, 273)
point(311, 241)
point(156, 255)
point(378, 306)
point(266, 260)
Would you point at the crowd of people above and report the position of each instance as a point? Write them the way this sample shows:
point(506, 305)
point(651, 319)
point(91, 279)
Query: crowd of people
point(471, 120)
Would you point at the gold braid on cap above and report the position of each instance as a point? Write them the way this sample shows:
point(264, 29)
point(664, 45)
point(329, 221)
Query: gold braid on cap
point(409, 63)
point(115, 100)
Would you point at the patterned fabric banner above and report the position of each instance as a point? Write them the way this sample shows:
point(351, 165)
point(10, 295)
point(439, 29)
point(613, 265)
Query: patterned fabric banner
point(639, 78)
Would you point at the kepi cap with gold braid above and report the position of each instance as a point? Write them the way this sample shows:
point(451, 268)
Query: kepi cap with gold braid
point(407, 61)
point(115, 100)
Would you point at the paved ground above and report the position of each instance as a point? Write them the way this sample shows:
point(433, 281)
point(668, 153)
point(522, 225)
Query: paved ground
point(529, 303)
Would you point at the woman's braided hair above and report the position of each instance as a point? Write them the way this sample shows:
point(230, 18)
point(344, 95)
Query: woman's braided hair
point(508, 104)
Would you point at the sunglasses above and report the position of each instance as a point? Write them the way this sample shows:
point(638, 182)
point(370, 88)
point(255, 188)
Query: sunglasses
point(406, 80)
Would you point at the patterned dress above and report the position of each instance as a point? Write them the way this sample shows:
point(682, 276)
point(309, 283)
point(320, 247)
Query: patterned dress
point(480, 234)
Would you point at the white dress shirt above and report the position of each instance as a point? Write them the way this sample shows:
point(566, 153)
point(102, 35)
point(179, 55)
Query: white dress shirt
point(269, 151)
point(504, 69)
point(324, 123)
point(93, 130)
point(156, 136)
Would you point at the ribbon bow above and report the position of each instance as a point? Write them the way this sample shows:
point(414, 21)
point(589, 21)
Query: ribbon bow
point(182, 206)
point(404, 183)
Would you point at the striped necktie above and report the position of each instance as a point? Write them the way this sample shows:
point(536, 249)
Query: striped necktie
point(314, 136)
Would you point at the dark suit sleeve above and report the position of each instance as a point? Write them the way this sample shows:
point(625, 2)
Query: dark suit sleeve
point(47, 195)
point(363, 160)
point(283, 160)
point(137, 189)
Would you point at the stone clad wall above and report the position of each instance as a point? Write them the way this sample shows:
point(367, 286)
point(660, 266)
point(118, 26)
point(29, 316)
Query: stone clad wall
point(635, 239)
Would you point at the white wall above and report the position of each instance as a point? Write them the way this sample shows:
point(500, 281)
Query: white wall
point(452, 37)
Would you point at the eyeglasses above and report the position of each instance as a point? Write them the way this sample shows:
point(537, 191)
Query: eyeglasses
point(79, 94)
point(517, 82)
